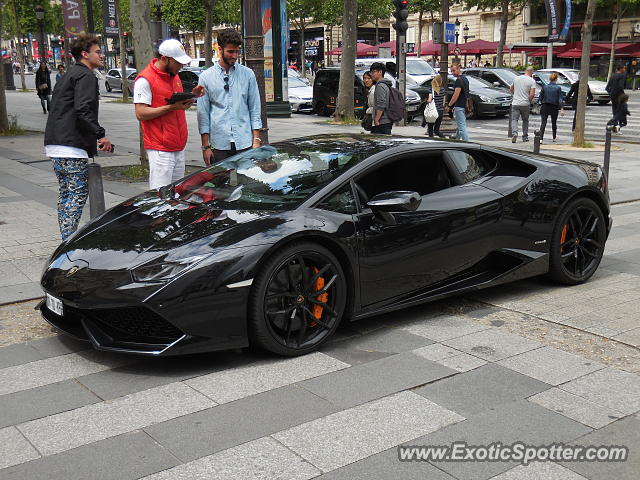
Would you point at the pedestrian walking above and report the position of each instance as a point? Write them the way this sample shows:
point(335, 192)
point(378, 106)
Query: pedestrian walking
point(43, 86)
point(458, 101)
point(60, 72)
point(367, 120)
point(572, 99)
point(381, 121)
point(229, 112)
point(619, 120)
point(551, 98)
point(523, 90)
point(436, 96)
point(164, 124)
point(73, 131)
point(615, 87)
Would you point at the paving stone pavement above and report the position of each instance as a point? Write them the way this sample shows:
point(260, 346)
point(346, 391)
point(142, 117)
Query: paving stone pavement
point(429, 375)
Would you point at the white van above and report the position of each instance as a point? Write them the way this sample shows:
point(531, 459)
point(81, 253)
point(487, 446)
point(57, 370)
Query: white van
point(418, 70)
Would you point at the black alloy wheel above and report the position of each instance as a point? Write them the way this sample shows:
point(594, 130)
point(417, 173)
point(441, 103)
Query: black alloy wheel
point(107, 86)
point(578, 242)
point(297, 300)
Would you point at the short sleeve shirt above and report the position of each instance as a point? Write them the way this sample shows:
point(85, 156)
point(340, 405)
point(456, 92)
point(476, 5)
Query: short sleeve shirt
point(522, 85)
point(463, 85)
point(142, 91)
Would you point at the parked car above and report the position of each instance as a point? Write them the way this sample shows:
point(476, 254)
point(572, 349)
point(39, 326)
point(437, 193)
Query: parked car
point(542, 78)
point(503, 77)
point(342, 227)
point(113, 79)
point(417, 72)
point(189, 79)
point(300, 95)
point(325, 92)
point(487, 99)
point(597, 87)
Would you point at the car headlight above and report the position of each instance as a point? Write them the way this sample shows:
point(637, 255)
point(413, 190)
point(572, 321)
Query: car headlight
point(485, 99)
point(294, 98)
point(164, 270)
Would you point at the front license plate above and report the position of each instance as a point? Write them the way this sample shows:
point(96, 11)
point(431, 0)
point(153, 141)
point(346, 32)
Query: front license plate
point(412, 108)
point(55, 305)
point(506, 104)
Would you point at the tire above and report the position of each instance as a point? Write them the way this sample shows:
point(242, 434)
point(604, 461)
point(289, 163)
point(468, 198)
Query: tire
point(322, 110)
point(285, 313)
point(578, 242)
point(603, 102)
point(107, 86)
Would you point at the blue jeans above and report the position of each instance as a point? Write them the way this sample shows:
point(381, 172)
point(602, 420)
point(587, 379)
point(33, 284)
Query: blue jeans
point(72, 176)
point(461, 122)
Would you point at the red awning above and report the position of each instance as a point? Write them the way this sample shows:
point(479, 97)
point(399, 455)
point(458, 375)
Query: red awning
point(628, 50)
point(479, 47)
point(362, 50)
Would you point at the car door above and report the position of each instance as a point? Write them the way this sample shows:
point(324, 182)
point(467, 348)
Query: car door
point(448, 233)
point(113, 77)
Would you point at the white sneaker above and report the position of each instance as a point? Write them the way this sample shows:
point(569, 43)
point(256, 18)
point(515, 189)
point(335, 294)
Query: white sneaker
point(555, 140)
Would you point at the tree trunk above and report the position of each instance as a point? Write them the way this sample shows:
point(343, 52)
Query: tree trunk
point(344, 104)
point(504, 22)
point(123, 55)
point(142, 45)
point(195, 51)
point(208, 36)
point(301, 46)
point(578, 134)
point(614, 35)
point(420, 33)
point(376, 41)
point(21, 58)
point(4, 118)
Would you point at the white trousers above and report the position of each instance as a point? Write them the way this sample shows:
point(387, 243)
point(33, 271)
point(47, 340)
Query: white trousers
point(165, 167)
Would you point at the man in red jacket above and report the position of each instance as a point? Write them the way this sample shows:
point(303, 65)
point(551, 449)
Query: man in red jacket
point(164, 125)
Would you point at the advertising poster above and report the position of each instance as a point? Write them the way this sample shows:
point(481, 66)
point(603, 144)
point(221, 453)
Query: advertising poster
point(267, 32)
point(110, 18)
point(555, 33)
point(73, 17)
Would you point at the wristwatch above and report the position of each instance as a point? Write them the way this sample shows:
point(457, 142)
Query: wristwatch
point(206, 147)
point(257, 139)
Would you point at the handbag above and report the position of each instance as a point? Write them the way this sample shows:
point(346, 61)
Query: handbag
point(431, 112)
point(43, 86)
point(367, 122)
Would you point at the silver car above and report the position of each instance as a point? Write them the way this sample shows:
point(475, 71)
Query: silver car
point(597, 87)
point(300, 95)
point(113, 79)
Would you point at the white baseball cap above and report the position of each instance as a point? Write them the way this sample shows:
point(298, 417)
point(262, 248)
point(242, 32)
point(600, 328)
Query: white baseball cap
point(174, 49)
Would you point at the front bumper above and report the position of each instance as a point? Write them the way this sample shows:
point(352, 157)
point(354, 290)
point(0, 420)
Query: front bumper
point(493, 109)
point(600, 96)
point(201, 326)
point(303, 106)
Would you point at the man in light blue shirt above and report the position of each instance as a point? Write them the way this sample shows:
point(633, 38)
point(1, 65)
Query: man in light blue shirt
point(229, 114)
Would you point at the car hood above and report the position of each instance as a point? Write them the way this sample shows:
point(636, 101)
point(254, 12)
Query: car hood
point(302, 92)
point(597, 85)
point(490, 92)
point(147, 226)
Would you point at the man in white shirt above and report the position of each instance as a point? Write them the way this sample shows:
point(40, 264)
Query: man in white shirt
point(523, 90)
point(164, 125)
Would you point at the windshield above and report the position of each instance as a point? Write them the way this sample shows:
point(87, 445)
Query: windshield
point(572, 75)
point(274, 178)
point(419, 67)
point(296, 82)
point(507, 75)
point(544, 76)
point(475, 82)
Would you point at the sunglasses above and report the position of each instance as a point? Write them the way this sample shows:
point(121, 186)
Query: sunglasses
point(226, 83)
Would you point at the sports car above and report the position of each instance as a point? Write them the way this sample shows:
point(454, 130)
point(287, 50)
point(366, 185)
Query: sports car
point(277, 245)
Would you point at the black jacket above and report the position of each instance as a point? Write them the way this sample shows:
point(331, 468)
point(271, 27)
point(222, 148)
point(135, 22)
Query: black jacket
point(41, 79)
point(572, 96)
point(615, 86)
point(73, 117)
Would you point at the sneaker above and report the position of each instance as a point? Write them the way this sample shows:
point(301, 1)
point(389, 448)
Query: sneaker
point(525, 139)
point(555, 140)
point(514, 139)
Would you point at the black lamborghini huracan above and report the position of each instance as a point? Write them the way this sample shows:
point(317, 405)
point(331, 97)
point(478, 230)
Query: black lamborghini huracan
point(277, 245)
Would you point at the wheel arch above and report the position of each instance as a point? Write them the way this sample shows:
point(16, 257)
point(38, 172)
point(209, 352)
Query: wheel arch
point(591, 194)
point(348, 265)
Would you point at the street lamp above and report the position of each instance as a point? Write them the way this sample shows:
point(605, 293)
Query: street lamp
point(466, 37)
point(40, 16)
point(457, 23)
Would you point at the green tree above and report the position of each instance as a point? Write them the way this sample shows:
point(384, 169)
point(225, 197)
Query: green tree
point(421, 7)
point(509, 10)
point(578, 133)
point(619, 8)
point(345, 100)
point(372, 10)
point(4, 117)
point(186, 14)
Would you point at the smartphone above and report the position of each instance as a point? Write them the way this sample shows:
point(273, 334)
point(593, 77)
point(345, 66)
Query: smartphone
point(180, 97)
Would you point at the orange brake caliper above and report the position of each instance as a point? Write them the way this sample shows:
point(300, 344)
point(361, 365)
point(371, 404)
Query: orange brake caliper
point(563, 237)
point(317, 309)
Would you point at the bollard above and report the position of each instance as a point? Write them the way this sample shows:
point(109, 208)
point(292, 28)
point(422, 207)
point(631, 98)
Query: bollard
point(536, 141)
point(607, 150)
point(96, 193)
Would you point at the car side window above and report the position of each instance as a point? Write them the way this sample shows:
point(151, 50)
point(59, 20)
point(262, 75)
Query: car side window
point(490, 77)
point(341, 201)
point(470, 165)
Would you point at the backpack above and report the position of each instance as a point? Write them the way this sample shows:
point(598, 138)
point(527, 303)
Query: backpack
point(397, 107)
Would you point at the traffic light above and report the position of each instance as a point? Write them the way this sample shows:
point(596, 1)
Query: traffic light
point(401, 13)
